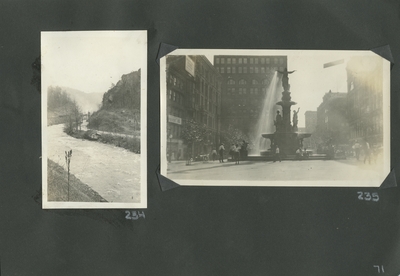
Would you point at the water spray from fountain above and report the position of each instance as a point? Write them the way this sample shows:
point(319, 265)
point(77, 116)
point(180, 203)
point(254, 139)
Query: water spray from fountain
point(265, 123)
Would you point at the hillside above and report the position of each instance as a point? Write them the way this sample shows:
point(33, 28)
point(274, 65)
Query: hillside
point(88, 102)
point(59, 105)
point(62, 100)
point(120, 110)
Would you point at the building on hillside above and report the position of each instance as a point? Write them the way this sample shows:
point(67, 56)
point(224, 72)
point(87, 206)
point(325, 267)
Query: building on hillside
point(193, 102)
point(245, 83)
point(332, 126)
point(365, 99)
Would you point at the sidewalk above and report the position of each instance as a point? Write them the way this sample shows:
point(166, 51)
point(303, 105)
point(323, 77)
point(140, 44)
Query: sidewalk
point(306, 170)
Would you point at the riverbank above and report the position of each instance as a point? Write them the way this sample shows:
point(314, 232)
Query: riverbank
point(57, 188)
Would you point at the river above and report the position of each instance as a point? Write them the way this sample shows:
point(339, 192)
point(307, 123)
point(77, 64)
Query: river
point(111, 171)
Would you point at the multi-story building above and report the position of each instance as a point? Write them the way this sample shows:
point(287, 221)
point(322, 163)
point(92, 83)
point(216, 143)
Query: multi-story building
point(310, 121)
point(365, 99)
point(193, 94)
point(332, 125)
point(310, 127)
point(246, 79)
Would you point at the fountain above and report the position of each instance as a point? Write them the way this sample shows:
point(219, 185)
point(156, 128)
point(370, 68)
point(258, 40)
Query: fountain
point(286, 134)
point(268, 110)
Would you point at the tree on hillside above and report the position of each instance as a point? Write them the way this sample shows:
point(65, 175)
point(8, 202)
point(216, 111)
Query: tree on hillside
point(136, 119)
point(74, 121)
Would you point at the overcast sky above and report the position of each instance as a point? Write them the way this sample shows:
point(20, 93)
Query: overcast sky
point(311, 81)
point(91, 60)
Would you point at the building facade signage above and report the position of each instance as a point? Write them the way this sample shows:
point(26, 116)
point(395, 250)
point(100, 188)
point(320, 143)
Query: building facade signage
point(189, 66)
point(175, 120)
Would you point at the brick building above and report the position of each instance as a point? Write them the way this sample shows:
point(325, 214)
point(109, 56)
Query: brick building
point(193, 94)
point(365, 99)
point(332, 122)
point(245, 82)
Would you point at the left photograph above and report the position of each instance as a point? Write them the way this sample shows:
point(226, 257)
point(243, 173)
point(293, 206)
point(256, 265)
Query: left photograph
point(94, 107)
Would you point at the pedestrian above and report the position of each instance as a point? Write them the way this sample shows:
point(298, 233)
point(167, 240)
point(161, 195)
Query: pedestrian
point(221, 153)
point(232, 151)
point(367, 153)
point(214, 155)
point(277, 154)
point(357, 149)
point(298, 154)
point(243, 150)
point(237, 154)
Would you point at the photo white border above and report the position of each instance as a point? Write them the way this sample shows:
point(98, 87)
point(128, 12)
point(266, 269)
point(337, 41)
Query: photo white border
point(250, 183)
point(142, 34)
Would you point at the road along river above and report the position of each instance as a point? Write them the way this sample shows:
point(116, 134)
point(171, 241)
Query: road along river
point(111, 171)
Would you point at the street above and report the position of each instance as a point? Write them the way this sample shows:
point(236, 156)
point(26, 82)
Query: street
point(111, 171)
point(306, 170)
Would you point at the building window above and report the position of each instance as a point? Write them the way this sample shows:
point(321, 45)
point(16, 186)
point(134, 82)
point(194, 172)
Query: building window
point(169, 94)
point(262, 60)
point(267, 60)
point(281, 61)
point(262, 69)
point(239, 70)
point(256, 60)
point(228, 60)
point(254, 82)
point(256, 70)
point(228, 70)
point(242, 81)
point(245, 70)
point(251, 70)
point(231, 81)
point(222, 60)
point(245, 60)
point(233, 70)
point(216, 60)
point(222, 70)
point(233, 60)
point(240, 60)
point(251, 60)
point(275, 60)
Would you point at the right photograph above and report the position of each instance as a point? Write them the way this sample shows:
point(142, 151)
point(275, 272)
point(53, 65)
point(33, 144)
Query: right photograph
point(275, 118)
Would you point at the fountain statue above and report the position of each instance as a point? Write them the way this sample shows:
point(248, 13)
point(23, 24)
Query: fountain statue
point(286, 134)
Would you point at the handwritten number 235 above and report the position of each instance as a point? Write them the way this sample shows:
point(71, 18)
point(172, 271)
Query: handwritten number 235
point(368, 196)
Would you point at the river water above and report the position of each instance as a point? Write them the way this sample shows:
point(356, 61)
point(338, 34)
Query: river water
point(111, 171)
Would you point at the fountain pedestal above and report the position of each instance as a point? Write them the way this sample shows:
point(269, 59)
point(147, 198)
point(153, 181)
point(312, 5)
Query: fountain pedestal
point(286, 136)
